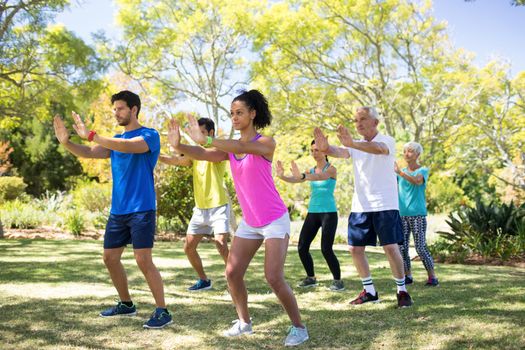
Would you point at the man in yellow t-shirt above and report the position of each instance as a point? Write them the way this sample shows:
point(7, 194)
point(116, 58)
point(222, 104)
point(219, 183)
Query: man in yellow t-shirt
point(212, 208)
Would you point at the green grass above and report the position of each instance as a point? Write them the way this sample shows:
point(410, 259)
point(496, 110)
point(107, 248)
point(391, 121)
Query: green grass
point(52, 291)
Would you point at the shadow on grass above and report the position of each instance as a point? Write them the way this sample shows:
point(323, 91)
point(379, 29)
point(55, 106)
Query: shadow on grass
point(475, 306)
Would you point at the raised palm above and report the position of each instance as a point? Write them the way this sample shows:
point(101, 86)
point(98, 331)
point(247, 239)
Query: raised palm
point(320, 140)
point(295, 170)
point(193, 129)
point(174, 133)
point(79, 126)
point(344, 136)
point(60, 129)
point(279, 169)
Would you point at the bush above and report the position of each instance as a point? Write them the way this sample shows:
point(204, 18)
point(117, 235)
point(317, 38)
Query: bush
point(444, 195)
point(75, 222)
point(18, 214)
point(100, 219)
point(11, 187)
point(175, 198)
point(488, 230)
point(53, 202)
point(92, 196)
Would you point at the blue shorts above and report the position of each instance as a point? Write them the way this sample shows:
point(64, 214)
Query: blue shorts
point(136, 228)
point(364, 228)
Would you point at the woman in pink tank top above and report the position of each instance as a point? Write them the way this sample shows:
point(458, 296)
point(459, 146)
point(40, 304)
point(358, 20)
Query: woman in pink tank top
point(265, 216)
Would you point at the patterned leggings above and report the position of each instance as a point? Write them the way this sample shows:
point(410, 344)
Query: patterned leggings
point(418, 226)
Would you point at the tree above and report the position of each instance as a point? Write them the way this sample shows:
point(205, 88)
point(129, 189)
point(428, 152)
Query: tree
point(186, 50)
point(321, 59)
point(490, 137)
point(44, 70)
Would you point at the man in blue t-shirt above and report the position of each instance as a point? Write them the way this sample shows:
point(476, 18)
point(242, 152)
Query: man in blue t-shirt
point(133, 154)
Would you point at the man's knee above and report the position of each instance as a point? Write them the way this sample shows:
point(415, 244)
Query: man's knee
point(111, 258)
point(190, 245)
point(143, 259)
point(221, 242)
point(356, 250)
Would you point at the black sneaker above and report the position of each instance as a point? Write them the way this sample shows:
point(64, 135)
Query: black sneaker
point(403, 300)
point(409, 280)
point(432, 282)
point(365, 297)
point(308, 282)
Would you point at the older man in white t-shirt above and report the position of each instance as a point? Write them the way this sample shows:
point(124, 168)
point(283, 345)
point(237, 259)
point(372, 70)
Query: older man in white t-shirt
point(375, 208)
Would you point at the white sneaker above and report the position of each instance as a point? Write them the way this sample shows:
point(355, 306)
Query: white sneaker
point(296, 336)
point(238, 328)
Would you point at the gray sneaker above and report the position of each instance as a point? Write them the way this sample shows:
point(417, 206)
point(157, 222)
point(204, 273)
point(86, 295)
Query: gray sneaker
point(337, 286)
point(308, 282)
point(296, 336)
point(238, 328)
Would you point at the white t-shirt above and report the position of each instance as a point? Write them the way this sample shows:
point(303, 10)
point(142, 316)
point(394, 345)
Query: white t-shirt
point(375, 183)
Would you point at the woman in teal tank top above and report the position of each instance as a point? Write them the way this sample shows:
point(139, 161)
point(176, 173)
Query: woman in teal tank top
point(322, 213)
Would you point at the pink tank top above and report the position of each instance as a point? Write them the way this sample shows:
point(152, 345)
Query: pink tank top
point(260, 202)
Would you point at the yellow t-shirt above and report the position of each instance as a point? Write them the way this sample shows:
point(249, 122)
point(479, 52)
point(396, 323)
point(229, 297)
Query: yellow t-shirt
point(208, 184)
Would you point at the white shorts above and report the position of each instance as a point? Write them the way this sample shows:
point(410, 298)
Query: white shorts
point(279, 228)
point(208, 221)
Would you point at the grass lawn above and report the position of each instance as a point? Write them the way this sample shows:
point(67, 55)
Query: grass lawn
point(52, 291)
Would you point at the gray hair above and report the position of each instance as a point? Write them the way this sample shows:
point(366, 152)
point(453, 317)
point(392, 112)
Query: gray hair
point(414, 146)
point(372, 112)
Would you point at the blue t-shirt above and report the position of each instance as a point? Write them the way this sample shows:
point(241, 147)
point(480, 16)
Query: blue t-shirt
point(412, 200)
point(133, 185)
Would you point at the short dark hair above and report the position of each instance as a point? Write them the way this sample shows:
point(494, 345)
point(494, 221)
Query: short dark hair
point(208, 123)
point(129, 97)
point(254, 99)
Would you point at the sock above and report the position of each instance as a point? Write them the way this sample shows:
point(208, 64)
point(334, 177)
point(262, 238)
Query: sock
point(127, 303)
point(400, 283)
point(368, 285)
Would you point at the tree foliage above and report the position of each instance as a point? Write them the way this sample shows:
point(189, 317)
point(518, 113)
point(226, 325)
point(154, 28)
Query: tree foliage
point(44, 69)
point(186, 49)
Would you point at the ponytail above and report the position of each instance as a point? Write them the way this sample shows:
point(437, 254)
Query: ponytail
point(255, 100)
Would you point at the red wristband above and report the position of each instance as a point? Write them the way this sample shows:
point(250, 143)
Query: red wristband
point(91, 135)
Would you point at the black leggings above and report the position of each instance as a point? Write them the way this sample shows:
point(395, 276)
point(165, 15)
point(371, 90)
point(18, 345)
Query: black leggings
point(328, 222)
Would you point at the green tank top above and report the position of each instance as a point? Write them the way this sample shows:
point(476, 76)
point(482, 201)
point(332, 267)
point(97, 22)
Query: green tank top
point(322, 199)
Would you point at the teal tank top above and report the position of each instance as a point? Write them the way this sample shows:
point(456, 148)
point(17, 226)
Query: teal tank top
point(322, 199)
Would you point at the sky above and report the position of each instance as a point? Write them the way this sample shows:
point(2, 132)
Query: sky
point(488, 28)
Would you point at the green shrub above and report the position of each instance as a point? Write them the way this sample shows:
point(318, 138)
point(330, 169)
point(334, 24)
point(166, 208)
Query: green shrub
point(92, 196)
point(489, 230)
point(11, 187)
point(340, 239)
point(21, 215)
point(441, 250)
point(75, 222)
point(444, 195)
point(53, 202)
point(100, 219)
point(175, 198)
